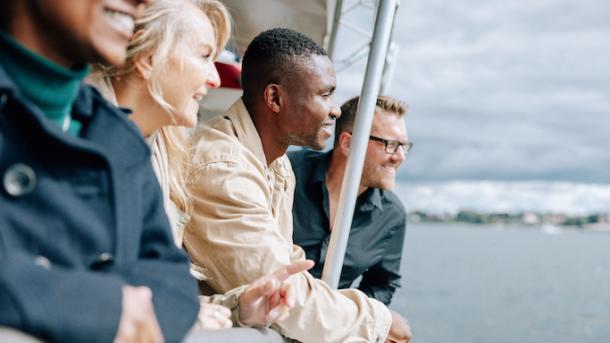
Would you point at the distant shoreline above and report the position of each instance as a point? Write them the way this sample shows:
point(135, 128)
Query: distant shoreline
point(548, 228)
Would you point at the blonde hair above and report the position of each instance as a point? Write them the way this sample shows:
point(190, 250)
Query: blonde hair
point(158, 30)
point(348, 112)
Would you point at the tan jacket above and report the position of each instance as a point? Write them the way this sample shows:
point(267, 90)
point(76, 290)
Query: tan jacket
point(241, 229)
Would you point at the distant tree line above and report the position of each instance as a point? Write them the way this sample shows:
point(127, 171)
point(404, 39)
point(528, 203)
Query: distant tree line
point(521, 218)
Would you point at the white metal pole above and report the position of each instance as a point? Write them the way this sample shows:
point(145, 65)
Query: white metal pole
point(360, 137)
point(390, 59)
point(332, 40)
point(388, 69)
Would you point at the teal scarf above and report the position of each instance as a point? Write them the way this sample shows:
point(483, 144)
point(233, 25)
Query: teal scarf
point(53, 88)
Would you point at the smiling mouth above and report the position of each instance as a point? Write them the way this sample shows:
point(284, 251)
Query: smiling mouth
point(390, 169)
point(120, 21)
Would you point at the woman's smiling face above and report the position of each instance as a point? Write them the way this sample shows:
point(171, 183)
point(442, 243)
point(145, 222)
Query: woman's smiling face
point(190, 72)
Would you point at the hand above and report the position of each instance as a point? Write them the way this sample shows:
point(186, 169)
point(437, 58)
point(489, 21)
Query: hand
point(400, 331)
point(269, 298)
point(138, 322)
point(213, 316)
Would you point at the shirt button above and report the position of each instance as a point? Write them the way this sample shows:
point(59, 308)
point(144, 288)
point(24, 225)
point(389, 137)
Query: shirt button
point(43, 262)
point(19, 180)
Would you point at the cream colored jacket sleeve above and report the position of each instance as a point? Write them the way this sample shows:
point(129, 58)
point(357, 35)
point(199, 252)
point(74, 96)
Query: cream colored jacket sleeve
point(234, 236)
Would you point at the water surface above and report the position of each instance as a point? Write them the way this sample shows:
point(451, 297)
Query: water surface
point(485, 284)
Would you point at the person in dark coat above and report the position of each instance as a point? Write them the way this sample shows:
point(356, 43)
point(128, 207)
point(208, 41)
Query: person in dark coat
point(86, 252)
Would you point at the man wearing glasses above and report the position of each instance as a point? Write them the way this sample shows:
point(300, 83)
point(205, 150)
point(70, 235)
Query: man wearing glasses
point(377, 234)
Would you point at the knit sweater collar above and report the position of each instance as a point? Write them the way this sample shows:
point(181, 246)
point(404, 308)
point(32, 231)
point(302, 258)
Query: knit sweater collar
point(52, 87)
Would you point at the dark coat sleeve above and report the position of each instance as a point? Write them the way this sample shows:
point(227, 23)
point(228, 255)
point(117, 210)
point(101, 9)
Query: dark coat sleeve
point(82, 305)
point(381, 280)
point(57, 304)
point(163, 268)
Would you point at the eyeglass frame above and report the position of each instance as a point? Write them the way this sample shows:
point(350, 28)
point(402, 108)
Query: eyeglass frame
point(406, 145)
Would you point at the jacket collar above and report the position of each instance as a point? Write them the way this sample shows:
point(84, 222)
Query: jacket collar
point(248, 136)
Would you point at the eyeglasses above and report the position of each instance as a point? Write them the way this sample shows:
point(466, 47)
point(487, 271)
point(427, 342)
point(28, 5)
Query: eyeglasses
point(391, 146)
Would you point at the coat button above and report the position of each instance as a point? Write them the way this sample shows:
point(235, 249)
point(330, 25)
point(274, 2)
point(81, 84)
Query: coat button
point(105, 257)
point(102, 260)
point(19, 180)
point(43, 262)
point(3, 99)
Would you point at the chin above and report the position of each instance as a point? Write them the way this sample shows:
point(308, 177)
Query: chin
point(189, 122)
point(113, 56)
point(109, 49)
point(317, 146)
point(385, 185)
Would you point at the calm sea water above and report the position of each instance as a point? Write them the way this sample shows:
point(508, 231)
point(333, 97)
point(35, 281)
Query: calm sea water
point(485, 284)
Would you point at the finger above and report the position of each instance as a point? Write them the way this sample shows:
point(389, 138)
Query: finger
point(288, 296)
point(227, 323)
point(259, 289)
point(222, 311)
point(223, 320)
point(277, 313)
point(153, 328)
point(204, 299)
point(126, 333)
point(144, 293)
point(213, 323)
point(297, 267)
point(209, 323)
point(283, 317)
point(212, 309)
point(275, 299)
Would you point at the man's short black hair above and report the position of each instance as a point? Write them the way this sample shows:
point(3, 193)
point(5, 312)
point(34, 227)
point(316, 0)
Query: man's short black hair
point(272, 55)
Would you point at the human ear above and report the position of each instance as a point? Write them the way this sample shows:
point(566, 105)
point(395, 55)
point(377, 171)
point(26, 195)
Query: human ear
point(273, 97)
point(144, 66)
point(345, 141)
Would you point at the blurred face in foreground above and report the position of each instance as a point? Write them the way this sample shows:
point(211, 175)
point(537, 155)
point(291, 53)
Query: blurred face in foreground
point(70, 32)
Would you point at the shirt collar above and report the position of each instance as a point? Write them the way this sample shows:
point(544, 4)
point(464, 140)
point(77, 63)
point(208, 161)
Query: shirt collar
point(367, 201)
point(320, 165)
point(370, 199)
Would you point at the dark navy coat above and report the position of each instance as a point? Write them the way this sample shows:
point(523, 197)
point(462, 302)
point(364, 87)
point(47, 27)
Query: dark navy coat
point(79, 218)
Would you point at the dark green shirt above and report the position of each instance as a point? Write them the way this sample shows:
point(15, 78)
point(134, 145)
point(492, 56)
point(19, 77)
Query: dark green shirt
point(376, 239)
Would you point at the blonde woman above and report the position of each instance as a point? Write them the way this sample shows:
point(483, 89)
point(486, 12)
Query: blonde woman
point(169, 69)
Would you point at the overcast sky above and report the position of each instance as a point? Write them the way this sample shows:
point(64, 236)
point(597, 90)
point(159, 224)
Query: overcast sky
point(501, 90)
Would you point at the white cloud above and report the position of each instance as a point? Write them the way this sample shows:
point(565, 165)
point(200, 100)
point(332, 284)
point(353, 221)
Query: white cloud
point(511, 197)
point(513, 90)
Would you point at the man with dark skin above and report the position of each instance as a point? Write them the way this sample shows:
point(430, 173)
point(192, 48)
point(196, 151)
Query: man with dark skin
point(243, 185)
